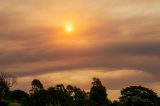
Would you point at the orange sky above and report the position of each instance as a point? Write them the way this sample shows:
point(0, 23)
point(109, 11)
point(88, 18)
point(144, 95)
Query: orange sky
point(117, 41)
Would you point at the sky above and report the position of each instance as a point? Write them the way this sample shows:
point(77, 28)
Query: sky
point(117, 41)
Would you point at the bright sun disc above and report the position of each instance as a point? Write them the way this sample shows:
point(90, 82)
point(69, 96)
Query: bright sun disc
point(69, 28)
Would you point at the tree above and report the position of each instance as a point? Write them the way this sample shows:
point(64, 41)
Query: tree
point(115, 103)
point(51, 96)
point(59, 95)
point(79, 97)
point(138, 95)
point(36, 86)
point(38, 98)
point(6, 81)
point(98, 92)
point(18, 95)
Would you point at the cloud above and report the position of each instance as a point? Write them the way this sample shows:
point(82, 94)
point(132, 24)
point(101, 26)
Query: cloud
point(118, 41)
point(135, 55)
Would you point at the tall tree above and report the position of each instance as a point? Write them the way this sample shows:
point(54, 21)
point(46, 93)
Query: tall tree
point(79, 97)
point(59, 95)
point(38, 98)
point(36, 86)
point(138, 95)
point(98, 92)
point(6, 81)
point(38, 95)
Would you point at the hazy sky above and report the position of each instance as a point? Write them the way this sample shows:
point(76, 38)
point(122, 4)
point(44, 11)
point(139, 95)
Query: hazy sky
point(115, 40)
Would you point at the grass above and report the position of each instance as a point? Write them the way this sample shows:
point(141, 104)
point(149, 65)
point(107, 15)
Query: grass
point(14, 104)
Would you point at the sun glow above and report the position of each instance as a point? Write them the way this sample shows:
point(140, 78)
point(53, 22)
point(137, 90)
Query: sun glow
point(69, 28)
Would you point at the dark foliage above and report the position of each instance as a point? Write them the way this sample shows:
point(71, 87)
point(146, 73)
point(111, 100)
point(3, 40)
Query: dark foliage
point(98, 92)
point(78, 96)
point(39, 98)
point(4, 89)
point(115, 103)
point(6, 81)
point(60, 95)
point(138, 96)
point(4, 103)
point(18, 95)
point(36, 86)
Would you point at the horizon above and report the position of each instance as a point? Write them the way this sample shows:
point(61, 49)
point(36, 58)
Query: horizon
point(71, 42)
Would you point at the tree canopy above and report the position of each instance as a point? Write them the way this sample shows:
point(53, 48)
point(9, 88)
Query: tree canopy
point(36, 85)
point(6, 81)
point(69, 95)
point(98, 93)
point(138, 95)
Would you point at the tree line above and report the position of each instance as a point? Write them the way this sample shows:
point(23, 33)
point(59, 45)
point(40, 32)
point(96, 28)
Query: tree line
point(69, 95)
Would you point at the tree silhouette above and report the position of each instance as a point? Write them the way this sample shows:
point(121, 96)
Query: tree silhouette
point(38, 98)
point(36, 86)
point(138, 95)
point(79, 97)
point(98, 92)
point(6, 81)
point(18, 95)
point(115, 103)
point(60, 95)
point(3, 89)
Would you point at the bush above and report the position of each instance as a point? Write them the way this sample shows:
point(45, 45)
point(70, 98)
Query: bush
point(4, 103)
point(14, 104)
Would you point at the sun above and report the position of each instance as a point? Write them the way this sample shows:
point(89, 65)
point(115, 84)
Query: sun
point(69, 28)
